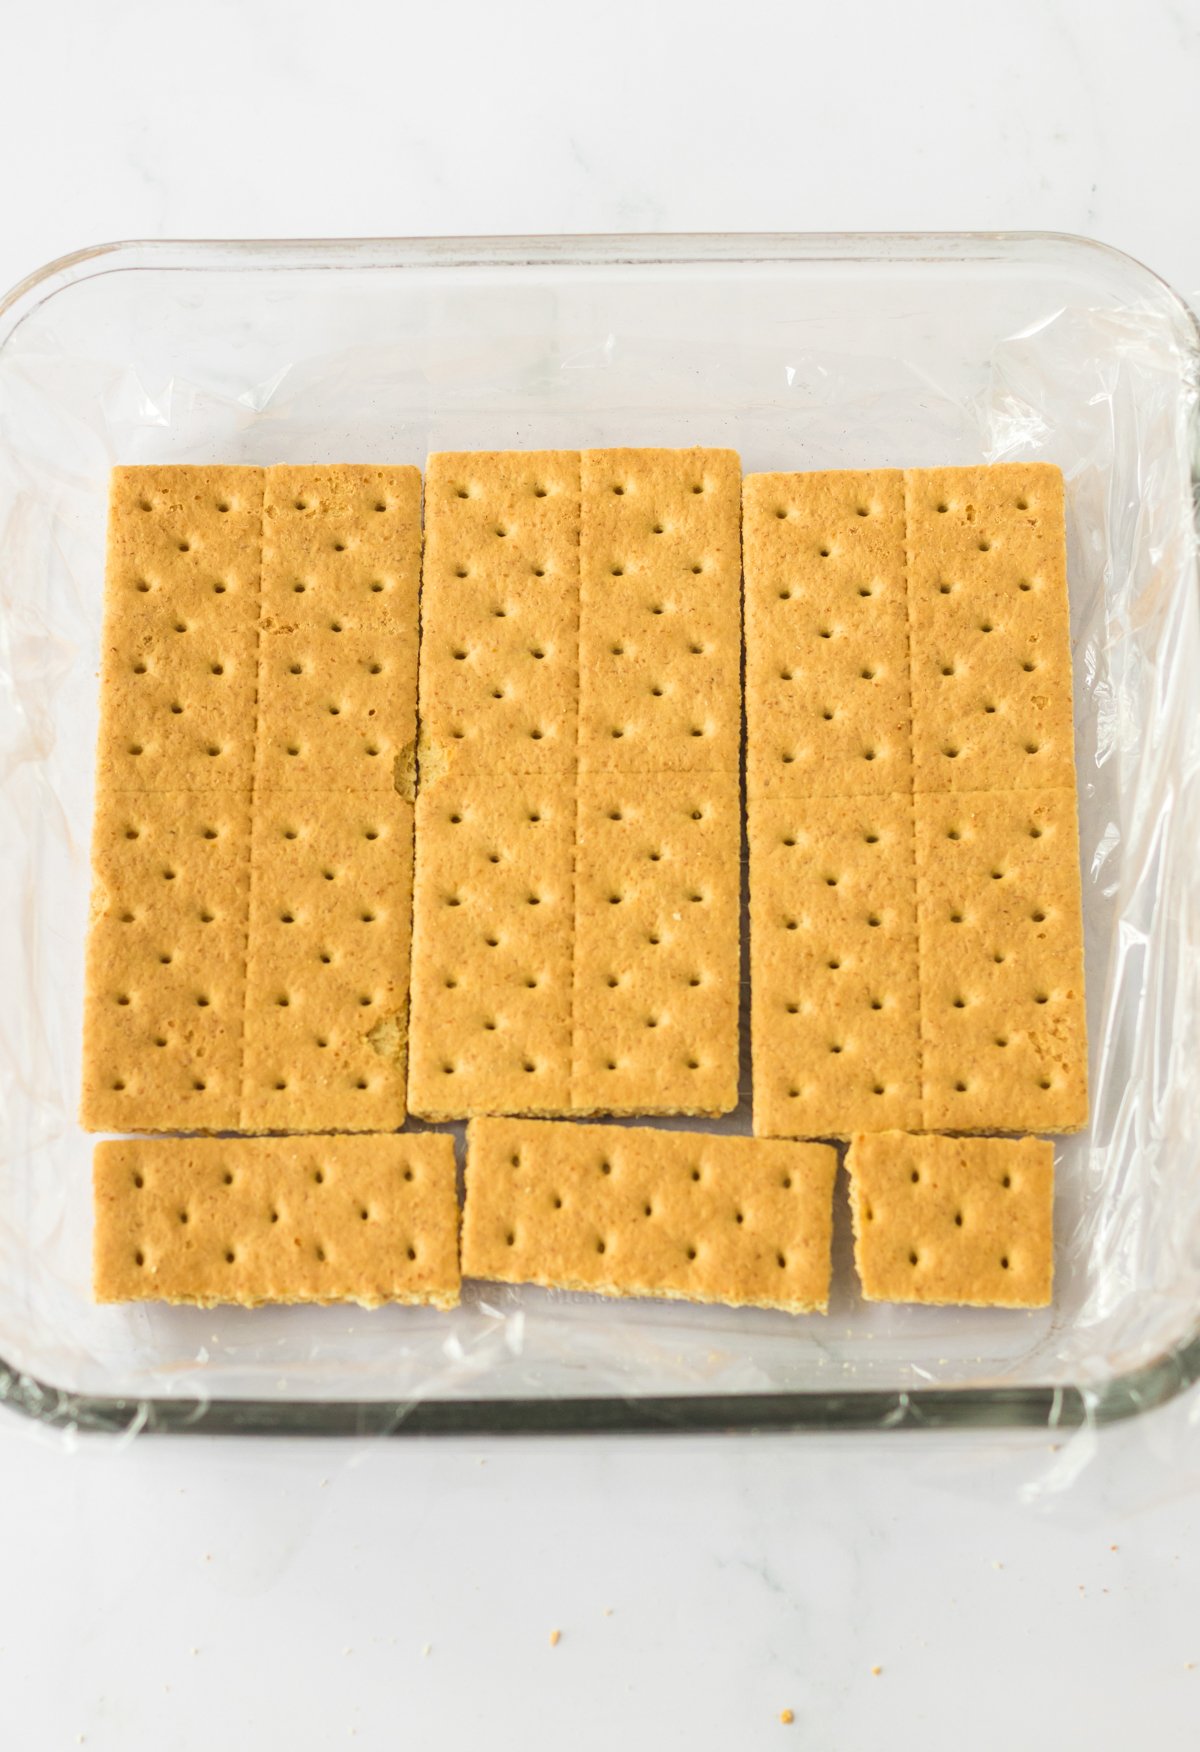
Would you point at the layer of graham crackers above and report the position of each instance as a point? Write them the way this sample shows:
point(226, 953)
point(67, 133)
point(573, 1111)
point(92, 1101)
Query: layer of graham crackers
point(254, 1220)
point(908, 640)
point(259, 667)
point(953, 1220)
point(580, 664)
point(628, 1211)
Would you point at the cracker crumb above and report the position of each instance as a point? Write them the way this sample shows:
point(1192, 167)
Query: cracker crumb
point(428, 1649)
point(608, 1611)
point(996, 1564)
point(554, 1638)
point(1114, 1548)
point(787, 1717)
point(875, 1672)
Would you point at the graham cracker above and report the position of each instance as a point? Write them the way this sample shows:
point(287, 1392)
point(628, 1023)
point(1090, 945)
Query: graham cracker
point(634, 1212)
point(657, 889)
point(177, 671)
point(337, 669)
point(327, 980)
point(660, 611)
point(166, 961)
point(959, 1220)
point(991, 635)
point(828, 705)
point(500, 612)
point(367, 1220)
point(1001, 941)
point(833, 961)
point(492, 932)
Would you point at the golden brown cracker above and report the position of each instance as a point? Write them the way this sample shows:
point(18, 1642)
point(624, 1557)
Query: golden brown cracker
point(492, 936)
point(1001, 940)
point(990, 622)
point(367, 1220)
point(337, 675)
point(625, 1211)
point(327, 981)
point(166, 961)
point(500, 611)
point(657, 888)
point(833, 959)
point(828, 704)
point(177, 670)
point(959, 1220)
point(660, 611)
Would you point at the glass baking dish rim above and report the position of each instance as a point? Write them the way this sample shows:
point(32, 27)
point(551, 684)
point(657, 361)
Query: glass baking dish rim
point(1122, 1396)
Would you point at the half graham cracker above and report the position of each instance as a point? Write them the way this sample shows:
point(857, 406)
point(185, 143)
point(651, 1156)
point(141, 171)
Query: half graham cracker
point(248, 1221)
point(632, 1212)
point(953, 1220)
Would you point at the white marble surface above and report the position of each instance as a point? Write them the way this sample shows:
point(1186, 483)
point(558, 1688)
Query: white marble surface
point(196, 1594)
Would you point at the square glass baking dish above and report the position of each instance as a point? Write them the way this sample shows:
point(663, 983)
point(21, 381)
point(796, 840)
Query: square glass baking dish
point(800, 352)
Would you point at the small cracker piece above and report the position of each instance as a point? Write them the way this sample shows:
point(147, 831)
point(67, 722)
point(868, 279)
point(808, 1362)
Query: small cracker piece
point(1001, 932)
point(828, 708)
point(248, 1221)
point(657, 889)
point(500, 611)
point(337, 677)
point(833, 959)
point(660, 611)
point(177, 670)
point(492, 933)
point(953, 1220)
point(166, 961)
point(327, 981)
point(991, 633)
point(636, 1212)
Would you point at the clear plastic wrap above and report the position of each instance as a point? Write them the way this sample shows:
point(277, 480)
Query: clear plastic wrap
point(800, 353)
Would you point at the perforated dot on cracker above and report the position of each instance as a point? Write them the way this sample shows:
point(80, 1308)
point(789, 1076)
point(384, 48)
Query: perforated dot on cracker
point(953, 1220)
point(633, 1212)
point(249, 1221)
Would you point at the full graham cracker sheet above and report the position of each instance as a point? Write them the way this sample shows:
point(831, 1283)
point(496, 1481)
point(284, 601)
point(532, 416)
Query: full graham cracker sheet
point(576, 895)
point(252, 842)
point(916, 940)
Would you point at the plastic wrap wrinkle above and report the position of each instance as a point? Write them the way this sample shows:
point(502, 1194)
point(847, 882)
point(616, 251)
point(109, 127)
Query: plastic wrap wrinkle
point(854, 366)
